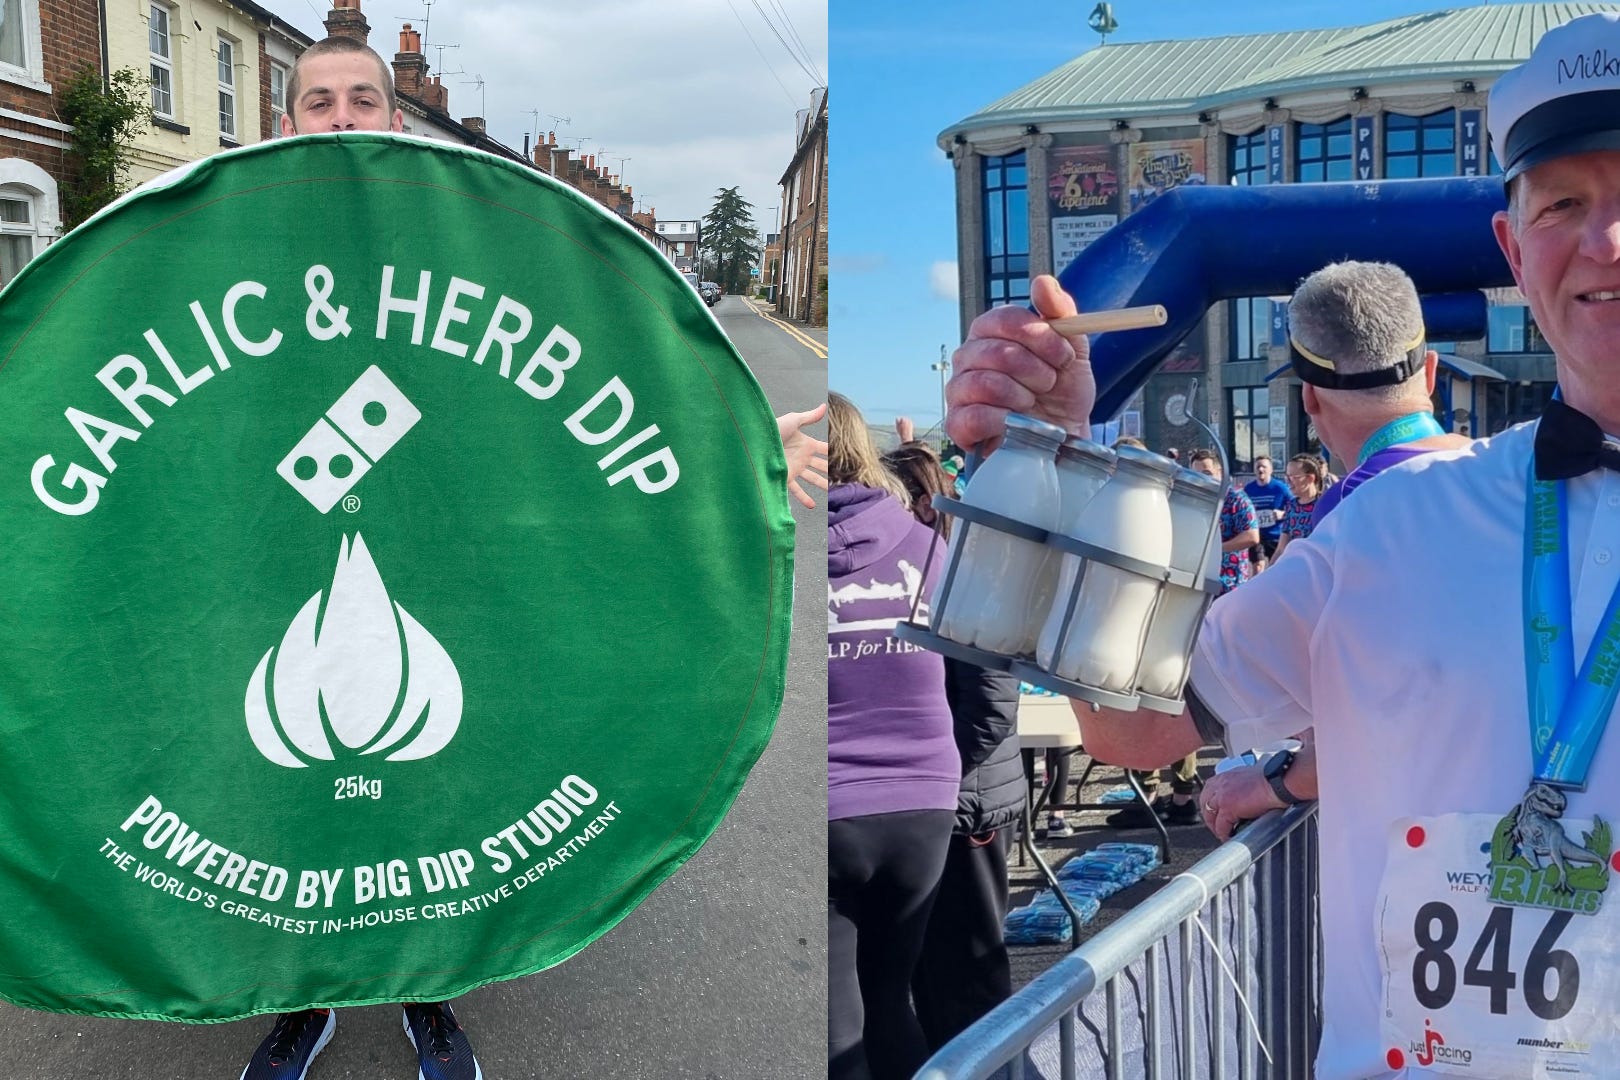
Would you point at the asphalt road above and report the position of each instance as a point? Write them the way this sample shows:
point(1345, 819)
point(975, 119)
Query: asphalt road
point(721, 974)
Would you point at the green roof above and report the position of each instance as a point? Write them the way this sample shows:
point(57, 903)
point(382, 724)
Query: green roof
point(1131, 79)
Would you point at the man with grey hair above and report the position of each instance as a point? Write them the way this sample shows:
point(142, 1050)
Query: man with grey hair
point(1430, 630)
point(1356, 340)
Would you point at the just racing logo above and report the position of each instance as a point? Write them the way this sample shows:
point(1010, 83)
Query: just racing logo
point(1434, 1049)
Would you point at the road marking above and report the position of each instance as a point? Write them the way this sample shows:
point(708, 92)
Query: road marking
point(792, 331)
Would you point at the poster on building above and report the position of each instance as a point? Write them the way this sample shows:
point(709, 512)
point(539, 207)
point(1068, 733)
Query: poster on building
point(1157, 167)
point(1364, 147)
point(1472, 148)
point(1083, 196)
point(341, 660)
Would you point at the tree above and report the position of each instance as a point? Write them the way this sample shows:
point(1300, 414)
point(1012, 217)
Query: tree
point(105, 117)
point(730, 239)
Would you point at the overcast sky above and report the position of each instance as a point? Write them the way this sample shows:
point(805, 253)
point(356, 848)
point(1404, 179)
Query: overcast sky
point(677, 88)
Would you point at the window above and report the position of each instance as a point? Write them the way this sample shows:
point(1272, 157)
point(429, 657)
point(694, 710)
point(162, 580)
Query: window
point(13, 41)
point(1510, 328)
point(1006, 230)
point(1420, 145)
point(1248, 430)
point(162, 60)
point(278, 98)
point(1246, 165)
point(16, 234)
point(1513, 402)
point(1323, 152)
point(227, 88)
point(21, 52)
point(1251, 328)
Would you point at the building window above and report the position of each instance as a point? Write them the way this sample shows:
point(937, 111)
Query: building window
point(1248, 427)
point(1006, 230)
point(1420, 145)
point(1251, 328)
point(1511, 328)
point(1323, 152)
point(1513, 402)
point(16, 233)
point(227, 87)
point(14, 36)
point(278, 98)
point(1247, 162)
point(162, 60)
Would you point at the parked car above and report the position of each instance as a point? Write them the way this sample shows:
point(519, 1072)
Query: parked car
point(710, 291)
point(692, 280)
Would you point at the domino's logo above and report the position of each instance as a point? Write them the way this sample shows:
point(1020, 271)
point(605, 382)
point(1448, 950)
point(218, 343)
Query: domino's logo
point(363, 425)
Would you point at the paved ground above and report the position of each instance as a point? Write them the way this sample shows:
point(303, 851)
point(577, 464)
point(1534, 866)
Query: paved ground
point(1189, 843)
point(721, 974)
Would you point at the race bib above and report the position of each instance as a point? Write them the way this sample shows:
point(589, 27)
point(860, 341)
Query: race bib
point(1478, 987)
point(1267, 518)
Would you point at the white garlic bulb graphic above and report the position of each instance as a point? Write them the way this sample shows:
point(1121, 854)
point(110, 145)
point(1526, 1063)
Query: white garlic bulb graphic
point(355, 675)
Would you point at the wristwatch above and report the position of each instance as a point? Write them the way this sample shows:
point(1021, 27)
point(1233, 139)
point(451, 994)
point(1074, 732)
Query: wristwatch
point(1275, 768)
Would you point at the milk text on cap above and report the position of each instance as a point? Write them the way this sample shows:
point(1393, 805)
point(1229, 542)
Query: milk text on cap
point(1564, 100)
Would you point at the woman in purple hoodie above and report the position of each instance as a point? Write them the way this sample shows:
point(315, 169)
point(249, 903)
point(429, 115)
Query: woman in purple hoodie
point(892, 764)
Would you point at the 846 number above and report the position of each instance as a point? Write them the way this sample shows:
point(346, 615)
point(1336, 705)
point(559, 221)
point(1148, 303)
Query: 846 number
point(1434, 972)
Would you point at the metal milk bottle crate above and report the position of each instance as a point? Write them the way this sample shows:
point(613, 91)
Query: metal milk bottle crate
point(1110, 603)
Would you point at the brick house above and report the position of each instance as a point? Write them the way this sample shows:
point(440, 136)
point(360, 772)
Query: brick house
point(43, 44)
point(802, 293)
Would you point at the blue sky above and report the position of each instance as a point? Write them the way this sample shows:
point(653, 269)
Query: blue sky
point(907, 69)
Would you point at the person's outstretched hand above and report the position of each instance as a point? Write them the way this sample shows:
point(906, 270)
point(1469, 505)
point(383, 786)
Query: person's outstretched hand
point(806, 454)
point(1013, 361)
point(904, 428)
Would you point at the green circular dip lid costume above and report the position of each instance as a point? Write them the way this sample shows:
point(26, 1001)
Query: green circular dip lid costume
point(396, 589)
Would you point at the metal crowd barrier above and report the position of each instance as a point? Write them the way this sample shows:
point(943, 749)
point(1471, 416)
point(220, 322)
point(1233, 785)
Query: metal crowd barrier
point(1169, 969)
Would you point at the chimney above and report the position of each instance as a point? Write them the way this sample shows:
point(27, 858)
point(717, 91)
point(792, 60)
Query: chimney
point(474, 123)
point(346, 20)
point(410, 66)
point(435, 96)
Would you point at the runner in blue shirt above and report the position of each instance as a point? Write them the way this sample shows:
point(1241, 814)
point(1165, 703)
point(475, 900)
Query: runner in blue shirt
point(1270, 498)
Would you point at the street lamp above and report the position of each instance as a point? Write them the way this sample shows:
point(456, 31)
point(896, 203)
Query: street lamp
point(944, 369)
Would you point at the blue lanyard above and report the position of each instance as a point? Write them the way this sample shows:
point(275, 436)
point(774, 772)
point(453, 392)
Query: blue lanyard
point(1567, 718)
point(1408, 428)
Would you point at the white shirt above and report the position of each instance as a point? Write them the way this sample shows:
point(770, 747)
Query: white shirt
point(1396, 631)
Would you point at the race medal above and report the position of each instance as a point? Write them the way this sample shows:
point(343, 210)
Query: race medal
point(396, 590)
point(1534, 862)
point(1475, 986)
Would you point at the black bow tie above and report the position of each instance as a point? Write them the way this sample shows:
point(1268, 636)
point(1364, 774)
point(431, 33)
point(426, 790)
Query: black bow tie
point(1570, 443)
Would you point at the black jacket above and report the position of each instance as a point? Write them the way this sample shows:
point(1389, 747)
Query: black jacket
point(984, 714)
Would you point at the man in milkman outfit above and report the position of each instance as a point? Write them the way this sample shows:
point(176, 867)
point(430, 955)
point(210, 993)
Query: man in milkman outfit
point(1432, 630)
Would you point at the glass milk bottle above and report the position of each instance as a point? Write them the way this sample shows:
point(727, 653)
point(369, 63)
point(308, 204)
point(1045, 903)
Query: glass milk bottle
point(1130, 516)
point(1083, 468)
point(1195, 506)
point(999, 577)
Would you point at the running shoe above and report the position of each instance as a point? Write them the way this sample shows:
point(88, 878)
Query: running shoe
point(1057, 826)
point(291, 1045)
point(441, 1046)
